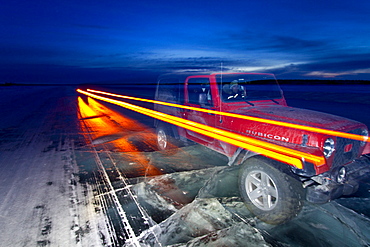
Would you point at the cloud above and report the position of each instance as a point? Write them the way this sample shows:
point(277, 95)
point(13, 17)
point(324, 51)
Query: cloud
point(320, 70)
point(293, 44)
point(338, 74)
point(323, 74)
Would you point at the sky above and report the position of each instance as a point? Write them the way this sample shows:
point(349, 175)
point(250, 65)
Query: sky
point(127, 41)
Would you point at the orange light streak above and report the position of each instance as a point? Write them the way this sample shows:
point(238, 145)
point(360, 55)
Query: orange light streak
point(100, 126)
point(261, 120)
point(284, 154)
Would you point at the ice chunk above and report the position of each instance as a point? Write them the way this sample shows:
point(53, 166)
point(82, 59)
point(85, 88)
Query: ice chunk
point(199, 218)
point(163, 195)
point(239, 234)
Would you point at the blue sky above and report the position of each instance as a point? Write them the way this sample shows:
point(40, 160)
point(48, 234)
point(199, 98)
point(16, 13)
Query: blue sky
point(90, 41)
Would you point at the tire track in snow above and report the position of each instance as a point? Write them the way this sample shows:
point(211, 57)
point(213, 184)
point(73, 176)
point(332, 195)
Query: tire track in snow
point(121, 232)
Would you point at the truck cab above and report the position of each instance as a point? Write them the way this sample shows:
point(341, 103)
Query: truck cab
point(330, 152)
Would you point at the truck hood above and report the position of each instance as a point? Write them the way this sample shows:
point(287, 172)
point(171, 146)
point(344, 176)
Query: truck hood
point(300, 116)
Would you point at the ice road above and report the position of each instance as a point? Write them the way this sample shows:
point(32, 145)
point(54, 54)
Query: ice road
point(78, 172)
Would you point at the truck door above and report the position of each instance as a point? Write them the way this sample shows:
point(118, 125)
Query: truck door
point(198, 94)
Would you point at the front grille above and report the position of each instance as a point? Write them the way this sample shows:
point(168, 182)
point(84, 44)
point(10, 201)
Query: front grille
point(341, 157)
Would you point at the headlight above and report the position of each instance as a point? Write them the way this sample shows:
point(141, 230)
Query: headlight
point(329, 147)
point(365, 132)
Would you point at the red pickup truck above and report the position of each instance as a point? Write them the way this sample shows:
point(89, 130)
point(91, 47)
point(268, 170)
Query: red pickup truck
point(288, 154)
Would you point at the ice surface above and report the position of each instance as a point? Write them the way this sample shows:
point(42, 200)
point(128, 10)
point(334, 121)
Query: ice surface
point(220, 218)
point(324, 225)
point(42, 203)
point(52, 195)
point(350, 101)
point(330, 224)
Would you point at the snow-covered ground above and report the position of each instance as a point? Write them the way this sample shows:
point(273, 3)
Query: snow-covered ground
point(42, 203)
point(77, 174)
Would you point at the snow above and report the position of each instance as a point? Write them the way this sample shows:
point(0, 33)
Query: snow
point(39, 193)
point(66, 182)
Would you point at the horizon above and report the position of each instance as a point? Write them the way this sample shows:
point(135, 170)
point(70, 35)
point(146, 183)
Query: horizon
point(126, 83)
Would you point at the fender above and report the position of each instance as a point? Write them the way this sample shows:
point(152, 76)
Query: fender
point(240, 156)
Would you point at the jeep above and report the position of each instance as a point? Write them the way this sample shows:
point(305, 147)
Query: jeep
point(252, 107)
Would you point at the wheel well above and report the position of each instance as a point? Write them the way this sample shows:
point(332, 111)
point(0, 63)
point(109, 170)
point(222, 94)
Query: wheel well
point(282, 167)
point(172, 128)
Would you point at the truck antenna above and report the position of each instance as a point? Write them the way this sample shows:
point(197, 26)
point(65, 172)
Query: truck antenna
point(221, 89)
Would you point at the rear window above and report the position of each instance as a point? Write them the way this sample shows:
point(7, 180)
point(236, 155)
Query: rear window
point(168, 90)
point(199, 88)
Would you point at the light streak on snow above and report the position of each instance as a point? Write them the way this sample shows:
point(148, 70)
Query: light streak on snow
point(102, 130)
point(95, 121)
point(129, 230)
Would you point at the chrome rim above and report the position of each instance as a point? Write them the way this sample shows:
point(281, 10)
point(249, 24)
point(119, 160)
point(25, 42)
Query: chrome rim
point(162, 139)
point(261, 190)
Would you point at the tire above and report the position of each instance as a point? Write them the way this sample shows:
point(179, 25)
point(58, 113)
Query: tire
point(165, 139)
point(271, 195)
point(162, 138)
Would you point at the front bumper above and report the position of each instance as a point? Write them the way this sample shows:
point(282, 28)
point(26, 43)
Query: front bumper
point(330, 189)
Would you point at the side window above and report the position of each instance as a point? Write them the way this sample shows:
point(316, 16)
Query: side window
point(169, 90)
point(199, 91)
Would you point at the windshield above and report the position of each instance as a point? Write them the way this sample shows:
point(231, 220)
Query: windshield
point(248, 87)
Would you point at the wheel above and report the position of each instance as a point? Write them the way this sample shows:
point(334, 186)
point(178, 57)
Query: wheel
point(273, 196)
point(162, 138)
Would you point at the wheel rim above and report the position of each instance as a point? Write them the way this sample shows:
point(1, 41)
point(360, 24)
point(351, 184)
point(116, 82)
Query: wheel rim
point(162, 139)
point(261, 190)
